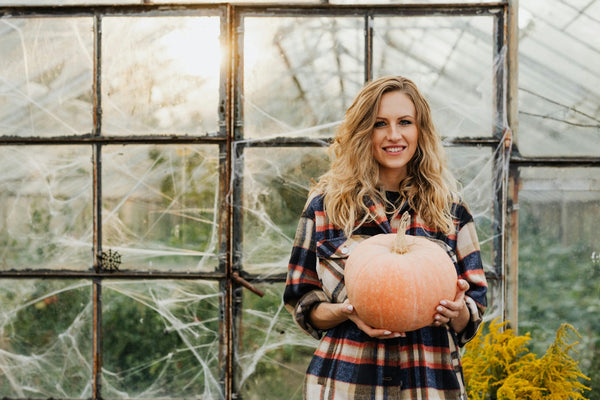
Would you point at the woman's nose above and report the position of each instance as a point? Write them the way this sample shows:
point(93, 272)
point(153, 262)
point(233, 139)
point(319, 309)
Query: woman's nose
point(394, 133)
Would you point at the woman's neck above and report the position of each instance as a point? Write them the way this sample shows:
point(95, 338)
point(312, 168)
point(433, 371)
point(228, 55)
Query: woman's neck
point(389, 180)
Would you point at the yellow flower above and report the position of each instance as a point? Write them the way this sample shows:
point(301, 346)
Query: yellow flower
point(499, 365)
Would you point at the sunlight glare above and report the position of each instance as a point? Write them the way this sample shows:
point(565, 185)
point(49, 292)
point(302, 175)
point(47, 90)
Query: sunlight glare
point(195, 47)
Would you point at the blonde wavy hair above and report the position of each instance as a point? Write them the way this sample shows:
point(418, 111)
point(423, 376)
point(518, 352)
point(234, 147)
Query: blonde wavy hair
point(353, 176)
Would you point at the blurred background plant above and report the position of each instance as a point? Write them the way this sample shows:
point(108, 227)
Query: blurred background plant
point(500, 365)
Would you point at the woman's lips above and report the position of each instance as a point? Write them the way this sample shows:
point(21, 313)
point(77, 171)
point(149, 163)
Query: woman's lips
point(394, 149)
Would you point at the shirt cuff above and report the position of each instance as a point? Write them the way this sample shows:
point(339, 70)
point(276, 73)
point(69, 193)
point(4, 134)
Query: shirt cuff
point(303, 308)
point(475, 319)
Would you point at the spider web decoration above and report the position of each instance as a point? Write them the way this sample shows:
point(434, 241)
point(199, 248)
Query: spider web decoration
point(110, 261)
point(162, 204)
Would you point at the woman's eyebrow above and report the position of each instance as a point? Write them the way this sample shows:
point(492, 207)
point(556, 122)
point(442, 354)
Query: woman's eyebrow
point(403, 116)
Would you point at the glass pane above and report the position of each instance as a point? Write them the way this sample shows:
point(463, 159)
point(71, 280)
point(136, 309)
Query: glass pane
point(451, 61)
point(274, 353)
point(276, 183)
point(300, 74)
point(160, 75)
point(161, 340)
point(46, 76)
point(406, 1)
point(473, 167)
point(559, 258)
point(160, 206)
point(69, 2)
point(45, 207)
point(242, 1)
point(559, 78)
point(45, 332)
point(495, 300)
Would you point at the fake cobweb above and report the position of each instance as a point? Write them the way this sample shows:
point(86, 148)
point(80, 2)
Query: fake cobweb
point(161, 205)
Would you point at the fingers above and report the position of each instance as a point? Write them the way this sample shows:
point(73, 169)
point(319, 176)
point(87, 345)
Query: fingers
point(390, 334)
point(374, 332)
point(385, 334)
point(463, 285)
point(443, 316)
point(446, 311)
point(347, 308)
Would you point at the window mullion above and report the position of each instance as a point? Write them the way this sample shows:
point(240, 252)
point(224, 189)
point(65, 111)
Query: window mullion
point(97, 210)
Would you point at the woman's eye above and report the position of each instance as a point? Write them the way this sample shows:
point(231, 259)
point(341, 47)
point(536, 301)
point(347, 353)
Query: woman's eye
point(405, 122)
point(379, 124)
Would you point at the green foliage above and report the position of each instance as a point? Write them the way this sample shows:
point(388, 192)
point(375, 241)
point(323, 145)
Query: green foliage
point(274, 201)
point(50, 314)
point(269, 328)
point(134, 335)
point(285, 191)
point(559, 282)
point(41, 341)
point(195, 199)
point(499, 365)
point(142, 348)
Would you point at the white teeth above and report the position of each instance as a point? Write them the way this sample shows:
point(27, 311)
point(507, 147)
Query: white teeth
point(394, 149)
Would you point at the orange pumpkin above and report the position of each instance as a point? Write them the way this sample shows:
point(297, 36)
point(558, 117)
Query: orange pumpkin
point(396, 281)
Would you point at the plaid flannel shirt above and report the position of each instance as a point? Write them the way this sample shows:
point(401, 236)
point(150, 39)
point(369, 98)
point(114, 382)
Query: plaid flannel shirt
point(348, 364)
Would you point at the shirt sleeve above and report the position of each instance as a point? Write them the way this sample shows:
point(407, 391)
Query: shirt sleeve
point(303, 288)
point(471, 270)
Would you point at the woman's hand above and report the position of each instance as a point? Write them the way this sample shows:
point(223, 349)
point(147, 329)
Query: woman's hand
point(454, 312)
point(327, 315)
point(369, 330)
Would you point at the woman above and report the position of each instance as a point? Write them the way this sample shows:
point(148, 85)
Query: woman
point(387, 159)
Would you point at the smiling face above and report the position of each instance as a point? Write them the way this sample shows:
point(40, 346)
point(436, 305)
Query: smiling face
point(394, 137)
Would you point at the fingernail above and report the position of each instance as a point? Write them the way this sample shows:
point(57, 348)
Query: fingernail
point(443, 302)
point(350, 308)
point(387, 332)
point(397, 334)
point(440, 309)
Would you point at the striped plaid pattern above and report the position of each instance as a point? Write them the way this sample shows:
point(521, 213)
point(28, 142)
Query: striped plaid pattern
point(347, 363)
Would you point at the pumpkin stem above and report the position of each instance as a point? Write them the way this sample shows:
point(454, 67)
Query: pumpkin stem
point(400, 245)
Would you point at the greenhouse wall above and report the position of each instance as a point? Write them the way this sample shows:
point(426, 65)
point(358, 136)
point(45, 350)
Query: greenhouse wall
point(156, 157)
